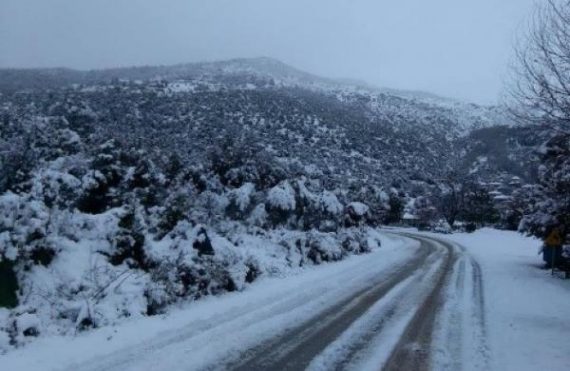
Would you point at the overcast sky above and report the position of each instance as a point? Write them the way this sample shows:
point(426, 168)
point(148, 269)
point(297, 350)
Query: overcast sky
point(456, 48)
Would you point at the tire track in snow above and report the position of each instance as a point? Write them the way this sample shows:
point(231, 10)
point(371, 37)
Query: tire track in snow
point(371, 339)
point(448, 340)
point(414, 350)
point(299, 348)
point(481, 358)
point(459, 339)
point(296, 349)
point(393, 336)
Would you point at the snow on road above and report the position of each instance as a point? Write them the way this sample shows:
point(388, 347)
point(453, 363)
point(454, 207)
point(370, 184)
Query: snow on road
point(444, 302)
point(374, 338)
point(371, 323)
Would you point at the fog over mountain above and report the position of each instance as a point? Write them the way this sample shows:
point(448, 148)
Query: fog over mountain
point(458, 49)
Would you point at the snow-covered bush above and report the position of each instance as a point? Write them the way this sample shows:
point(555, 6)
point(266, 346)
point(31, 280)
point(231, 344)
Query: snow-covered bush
point(176, 208)
point(258, 216)
point(315, 247)
point(128, 243)
point(323, 247)
point(281, 197)
point(316, 209)
point(79, 287)
point(382, 209)
point(24, 233)
point(55, 185)
point(356, 214)
point(330, 203)
point(359, 240)
point(187, 265)
point(280, 203)
point(240, 201)
point(240, 159)
point(442, 226)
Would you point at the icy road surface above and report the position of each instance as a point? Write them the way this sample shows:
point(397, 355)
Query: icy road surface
point(418, 303)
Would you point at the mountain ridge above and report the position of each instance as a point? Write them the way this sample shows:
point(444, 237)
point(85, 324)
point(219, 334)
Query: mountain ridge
point(468, 115)
point(265, 64)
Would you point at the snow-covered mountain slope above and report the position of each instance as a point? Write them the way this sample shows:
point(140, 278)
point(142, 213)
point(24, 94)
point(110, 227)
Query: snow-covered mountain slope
point(466, 116)
point(347, 128)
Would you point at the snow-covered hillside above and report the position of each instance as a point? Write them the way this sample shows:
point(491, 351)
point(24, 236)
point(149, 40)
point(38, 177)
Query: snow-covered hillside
point(126, 191)
point(391, 133)
point(468, 116)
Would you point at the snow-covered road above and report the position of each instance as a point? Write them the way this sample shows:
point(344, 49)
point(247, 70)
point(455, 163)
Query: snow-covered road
point(417, 303)
point(397, 322)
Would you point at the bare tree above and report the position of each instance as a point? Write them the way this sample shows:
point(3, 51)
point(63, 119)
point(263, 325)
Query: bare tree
point(541, 95)
point(451, 198)
point(541, 88)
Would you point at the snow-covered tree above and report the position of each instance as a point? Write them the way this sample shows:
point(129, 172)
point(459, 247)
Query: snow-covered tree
point(550, 205)
point(478, 207)
point(541, 92)
point(396, 209)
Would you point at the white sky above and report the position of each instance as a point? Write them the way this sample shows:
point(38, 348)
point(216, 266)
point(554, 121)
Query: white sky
point(456, 48)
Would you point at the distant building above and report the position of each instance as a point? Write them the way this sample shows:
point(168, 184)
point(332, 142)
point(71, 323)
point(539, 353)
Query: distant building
point(410, 220)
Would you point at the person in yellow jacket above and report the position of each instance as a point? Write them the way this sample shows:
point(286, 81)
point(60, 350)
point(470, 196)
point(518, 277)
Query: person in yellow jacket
point(552, 249)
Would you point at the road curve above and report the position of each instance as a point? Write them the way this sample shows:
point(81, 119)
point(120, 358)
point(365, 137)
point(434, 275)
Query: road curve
point(295, 350)
point(428, 279)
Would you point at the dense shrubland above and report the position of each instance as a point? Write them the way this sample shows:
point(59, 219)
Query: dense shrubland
point(96, 227)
